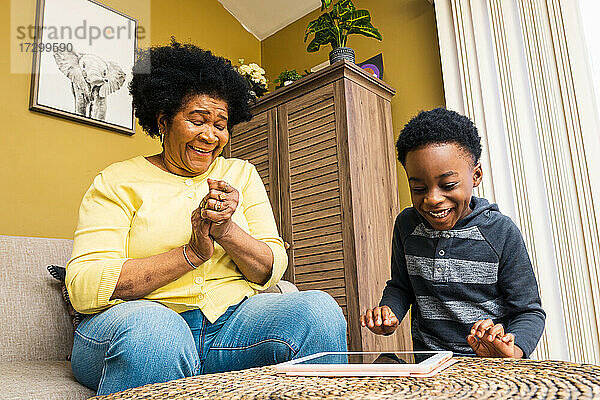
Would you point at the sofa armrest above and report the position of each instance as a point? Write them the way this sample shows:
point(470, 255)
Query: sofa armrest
point(281, 287)
point(286, 287)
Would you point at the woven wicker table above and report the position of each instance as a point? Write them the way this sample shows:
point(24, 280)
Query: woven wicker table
point(469, 378)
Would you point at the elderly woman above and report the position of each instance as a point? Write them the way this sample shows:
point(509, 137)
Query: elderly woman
point(171, 249)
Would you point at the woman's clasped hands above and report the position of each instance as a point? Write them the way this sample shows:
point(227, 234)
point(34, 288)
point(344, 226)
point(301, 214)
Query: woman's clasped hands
point(212, 219)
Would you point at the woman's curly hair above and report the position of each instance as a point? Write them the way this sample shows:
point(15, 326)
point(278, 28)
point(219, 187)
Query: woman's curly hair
point(164, 77)
point(439, 126)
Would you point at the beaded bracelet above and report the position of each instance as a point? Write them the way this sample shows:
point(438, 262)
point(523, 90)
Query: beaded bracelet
point(187, 259)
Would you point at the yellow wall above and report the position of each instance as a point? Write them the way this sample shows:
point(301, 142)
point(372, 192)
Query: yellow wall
point(47, 162)
point(410, 56)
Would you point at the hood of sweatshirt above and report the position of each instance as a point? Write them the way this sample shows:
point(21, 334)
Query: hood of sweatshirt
point(481, 208)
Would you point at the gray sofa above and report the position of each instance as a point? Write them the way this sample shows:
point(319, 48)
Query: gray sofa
point(37, 333)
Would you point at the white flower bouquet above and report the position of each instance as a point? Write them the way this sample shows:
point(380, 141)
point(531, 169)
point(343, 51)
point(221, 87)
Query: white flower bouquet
point(255, 76)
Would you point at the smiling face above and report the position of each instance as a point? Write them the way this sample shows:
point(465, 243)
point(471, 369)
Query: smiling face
point(441, 178)
point(195, 136)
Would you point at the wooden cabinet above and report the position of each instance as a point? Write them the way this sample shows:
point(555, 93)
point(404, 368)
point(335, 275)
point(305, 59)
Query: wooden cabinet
point(324, 148)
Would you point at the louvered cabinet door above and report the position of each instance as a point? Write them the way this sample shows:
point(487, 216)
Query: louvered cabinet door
point(256, 141)
point(310, 193)
point(324, 148)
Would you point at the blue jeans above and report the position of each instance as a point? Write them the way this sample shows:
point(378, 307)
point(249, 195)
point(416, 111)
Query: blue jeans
point(140, 342)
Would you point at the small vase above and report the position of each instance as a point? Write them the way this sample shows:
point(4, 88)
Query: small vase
point(341, 53)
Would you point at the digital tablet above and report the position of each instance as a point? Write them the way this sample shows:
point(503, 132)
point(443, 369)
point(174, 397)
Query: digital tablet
point(390, 363)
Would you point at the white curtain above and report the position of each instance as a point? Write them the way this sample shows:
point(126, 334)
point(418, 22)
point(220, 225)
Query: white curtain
point(519, 70)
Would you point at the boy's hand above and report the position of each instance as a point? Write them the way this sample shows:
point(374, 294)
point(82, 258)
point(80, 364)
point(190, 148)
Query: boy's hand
point(380, 320)
point(489, 340)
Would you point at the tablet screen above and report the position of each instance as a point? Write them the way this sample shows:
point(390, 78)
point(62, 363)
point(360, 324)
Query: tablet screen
point(370, 358)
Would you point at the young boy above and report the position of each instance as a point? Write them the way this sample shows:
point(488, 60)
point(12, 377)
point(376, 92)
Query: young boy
point(460, 263)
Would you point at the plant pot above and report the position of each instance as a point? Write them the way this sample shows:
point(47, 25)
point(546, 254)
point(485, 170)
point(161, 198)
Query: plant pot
point(341, 53)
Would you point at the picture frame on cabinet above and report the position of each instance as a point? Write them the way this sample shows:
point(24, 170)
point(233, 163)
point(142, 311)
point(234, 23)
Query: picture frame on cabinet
point(373, 66)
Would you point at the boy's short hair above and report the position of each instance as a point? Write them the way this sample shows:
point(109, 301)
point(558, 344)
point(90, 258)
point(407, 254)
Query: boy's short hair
point(439, 126)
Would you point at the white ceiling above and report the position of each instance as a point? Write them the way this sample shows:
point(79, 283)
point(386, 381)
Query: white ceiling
point(263, 18)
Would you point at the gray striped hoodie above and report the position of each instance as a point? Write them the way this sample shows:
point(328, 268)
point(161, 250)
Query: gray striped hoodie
point(478, 269)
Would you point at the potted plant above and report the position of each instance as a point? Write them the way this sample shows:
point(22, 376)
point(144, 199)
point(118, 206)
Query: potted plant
point(333, 28)
point(286, 77)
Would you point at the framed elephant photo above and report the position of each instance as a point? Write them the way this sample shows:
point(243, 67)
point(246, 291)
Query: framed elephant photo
point(83, 54)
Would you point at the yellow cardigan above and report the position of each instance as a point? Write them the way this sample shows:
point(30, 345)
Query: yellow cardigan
point(134, 209)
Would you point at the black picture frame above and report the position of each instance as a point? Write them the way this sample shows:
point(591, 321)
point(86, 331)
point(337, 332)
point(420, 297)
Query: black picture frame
point(66, 63)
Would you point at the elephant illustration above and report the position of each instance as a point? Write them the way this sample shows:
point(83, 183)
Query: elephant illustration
point(92, 80)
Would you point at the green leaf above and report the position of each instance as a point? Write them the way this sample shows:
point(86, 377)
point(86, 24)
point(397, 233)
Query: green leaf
point(322, 23)
point(310, 28)
point(366, 30)
point(313, 46)
point(341, 8)
point(312, 24)
point(358, 17)
point(322, 38)
point(325, 4)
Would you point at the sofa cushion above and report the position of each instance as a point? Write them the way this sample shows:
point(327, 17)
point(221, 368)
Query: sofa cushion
point(35, 320)
point(59, 273)
point(35, 324)
point(40, 380)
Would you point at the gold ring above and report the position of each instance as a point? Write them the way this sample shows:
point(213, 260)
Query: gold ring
point(217, 206)
point(222, 196)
